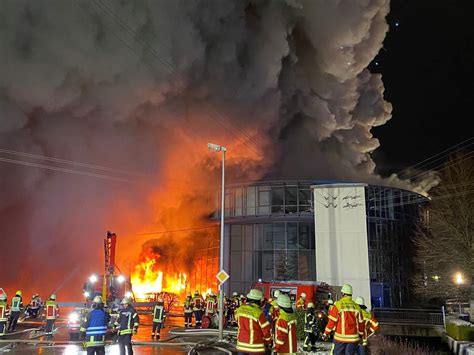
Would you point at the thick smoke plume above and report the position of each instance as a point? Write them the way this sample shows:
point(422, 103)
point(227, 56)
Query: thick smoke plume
point(140, 87)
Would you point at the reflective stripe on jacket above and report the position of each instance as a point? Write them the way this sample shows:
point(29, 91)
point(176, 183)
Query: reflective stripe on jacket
point(17, 304)
point(51, 310)
point(188, 306)
point(371, 325)
point(285, 333)
point(128, 321)
point(309, 321)
point(254, 329)
point(159, 314)
point(197, 303)
point(3, 311)
point(346, 319)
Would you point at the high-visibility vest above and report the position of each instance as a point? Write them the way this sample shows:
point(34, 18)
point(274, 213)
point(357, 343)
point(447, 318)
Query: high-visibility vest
point(16, 304)
point(300, 304)
point(345, 318)
point(211, 305)
point(188, 306)
point(3, 311)
point(159, 313)
point(254, 329)
point(197, 301)
point(285, 333)
point(51, 310)
point(371, 325)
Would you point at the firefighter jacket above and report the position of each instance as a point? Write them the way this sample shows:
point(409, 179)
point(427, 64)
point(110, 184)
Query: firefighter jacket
point(3, 311)
point(254, 329)
point(197, 302)
point(128, 321)
point(95, 327)
point(309, 321)
point(188, 305)
point(159, 313)
point(34, 304)
point(17, 304)
point(301, 304)
point(51, 310)
point(275, 309)
point(370, 327)
point(235, 302)
point(346, 319)
point(285, 333)
point(211, 305)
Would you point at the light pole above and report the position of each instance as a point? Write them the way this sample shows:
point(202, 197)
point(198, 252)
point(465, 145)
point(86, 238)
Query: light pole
point(459, 280)
point(219, 148)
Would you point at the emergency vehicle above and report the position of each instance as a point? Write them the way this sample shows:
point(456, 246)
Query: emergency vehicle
point(316, 292)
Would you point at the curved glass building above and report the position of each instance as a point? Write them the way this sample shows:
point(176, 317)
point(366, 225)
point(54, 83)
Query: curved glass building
point(270, 235)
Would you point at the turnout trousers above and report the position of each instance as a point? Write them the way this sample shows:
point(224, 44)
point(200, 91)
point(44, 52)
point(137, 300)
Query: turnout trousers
point(198, 317)
point(125, 342)
point(339, 348)
point(13, 320)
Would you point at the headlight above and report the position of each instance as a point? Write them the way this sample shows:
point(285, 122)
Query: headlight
point(74, 317)
point(121, 279)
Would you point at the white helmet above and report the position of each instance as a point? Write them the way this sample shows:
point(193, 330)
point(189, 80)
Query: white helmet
point(284, 301)
point(310, 305)
point(303, 295)
point(347, 289)
point(235, 294)
point(360, 301)
point(53, 297)
point(3, 297)
point(97, 299)
point(276, 293)
point(330, 301)
point(255, 295)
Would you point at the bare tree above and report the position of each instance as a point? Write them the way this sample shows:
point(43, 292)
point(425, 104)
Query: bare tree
point(445, 243)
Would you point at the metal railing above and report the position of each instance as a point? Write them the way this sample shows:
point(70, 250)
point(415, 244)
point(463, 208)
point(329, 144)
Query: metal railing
point(409, 316)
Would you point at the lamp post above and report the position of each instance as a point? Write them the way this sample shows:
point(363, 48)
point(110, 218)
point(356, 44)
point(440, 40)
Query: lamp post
point(219, 148)
point(459, 280)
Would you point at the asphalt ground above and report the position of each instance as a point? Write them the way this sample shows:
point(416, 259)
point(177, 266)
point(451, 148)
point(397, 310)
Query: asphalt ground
point(178, 341)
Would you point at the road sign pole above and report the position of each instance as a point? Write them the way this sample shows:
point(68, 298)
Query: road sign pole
point(221, 261)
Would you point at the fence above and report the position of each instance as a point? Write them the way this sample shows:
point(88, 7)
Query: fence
point(409, 316)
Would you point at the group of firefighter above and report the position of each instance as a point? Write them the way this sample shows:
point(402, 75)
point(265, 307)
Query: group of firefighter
point(8, 324)
point(265, 325)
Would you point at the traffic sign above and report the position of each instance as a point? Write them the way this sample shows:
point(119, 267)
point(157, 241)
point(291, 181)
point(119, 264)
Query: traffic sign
point(222, 276)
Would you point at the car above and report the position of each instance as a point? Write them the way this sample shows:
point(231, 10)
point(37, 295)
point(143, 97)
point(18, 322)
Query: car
point(74, 321)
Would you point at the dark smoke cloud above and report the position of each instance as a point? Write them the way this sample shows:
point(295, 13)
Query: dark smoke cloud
point(126, 84)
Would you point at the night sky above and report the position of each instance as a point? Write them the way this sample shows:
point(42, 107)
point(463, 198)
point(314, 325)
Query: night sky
point(427, 68)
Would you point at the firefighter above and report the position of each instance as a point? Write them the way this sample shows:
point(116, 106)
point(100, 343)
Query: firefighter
point(211, 304)
point(51, 312)
point(33, 307)
point(346, 319)
point(275, 305)
point(310, 328)
point(242, 299)
point(126, 326)
point(330, 304)
point(285, 327)
point(159, 316)
point(370, 327)
point(188, 311)
point(254, 330)
point(3, 314)
point(197, 308)
point(94, 327)
point(301, 304)
point(15, 310)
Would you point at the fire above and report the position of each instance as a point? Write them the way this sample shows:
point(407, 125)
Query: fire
point(148, 279)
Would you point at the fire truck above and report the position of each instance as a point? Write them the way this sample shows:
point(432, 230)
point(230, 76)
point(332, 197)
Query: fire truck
point(111, 285)
point(316, 292)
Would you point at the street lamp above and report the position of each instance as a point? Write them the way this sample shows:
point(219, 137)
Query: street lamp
point(93, 279)
point(458, 278)
point(219, 148)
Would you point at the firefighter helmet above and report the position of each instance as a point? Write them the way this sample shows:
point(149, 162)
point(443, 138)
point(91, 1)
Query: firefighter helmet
point(303, 295)
point(196, 292)
point(255, 295)
point(346, 289)
point(235, 294)
point(160, 300)
point(360, 301)
point(189, 294)
point(284, 301)
point(19, 293)
point(125, 300)
point(310, 305)
point(3, 297)
point(330, 301)
point(52, 297)
point(276, 293)
point(97, 299)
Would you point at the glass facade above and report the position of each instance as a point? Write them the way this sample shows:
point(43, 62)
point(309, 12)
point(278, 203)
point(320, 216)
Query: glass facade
point(270, 233)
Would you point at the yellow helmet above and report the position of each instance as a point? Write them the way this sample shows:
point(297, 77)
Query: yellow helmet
point(346, 289)
point(284, 301)
point(360, 301)
point(255, 295)
point(19, 293)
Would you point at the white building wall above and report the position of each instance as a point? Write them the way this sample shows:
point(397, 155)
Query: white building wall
point(341, 237)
